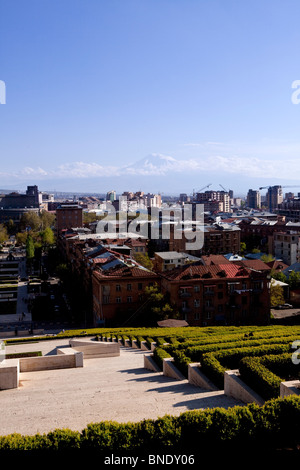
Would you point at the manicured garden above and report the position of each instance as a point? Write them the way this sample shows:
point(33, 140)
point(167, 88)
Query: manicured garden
point(263, 356)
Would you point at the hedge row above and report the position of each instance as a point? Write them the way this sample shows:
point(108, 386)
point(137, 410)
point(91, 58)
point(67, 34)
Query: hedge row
point(274, 425)
point(194, 343)
point(214, 364)
point(265, 374)
point(159, 354)
point(201, 354)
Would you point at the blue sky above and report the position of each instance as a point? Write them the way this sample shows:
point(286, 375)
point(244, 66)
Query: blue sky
point(157, 95)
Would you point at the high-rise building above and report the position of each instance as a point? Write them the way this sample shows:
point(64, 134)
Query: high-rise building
point(111, 196)
point(274, 197)
point(253, 199)
point(210, 198)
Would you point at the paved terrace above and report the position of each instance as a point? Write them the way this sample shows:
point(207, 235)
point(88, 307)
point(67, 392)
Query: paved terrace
point(116, 388)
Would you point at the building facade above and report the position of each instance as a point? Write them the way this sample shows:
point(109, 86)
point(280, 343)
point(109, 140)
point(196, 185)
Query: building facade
point(68, 215)
point(226, 294)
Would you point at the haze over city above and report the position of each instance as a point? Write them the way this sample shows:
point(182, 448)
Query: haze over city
point(161, 96)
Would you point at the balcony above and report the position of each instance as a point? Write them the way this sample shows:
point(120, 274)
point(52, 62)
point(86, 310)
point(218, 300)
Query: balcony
point(185, 310)
point(209, 292)
point(184, 294)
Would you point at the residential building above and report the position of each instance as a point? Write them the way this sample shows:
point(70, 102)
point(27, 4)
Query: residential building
point(118, 288)
point(68, 215)
point(253, 199)
point(111, 196)
point(219, 238)
point(286, 247)
point(224, 294)
point(214, 201)
point(168, 260)
point(274, 197)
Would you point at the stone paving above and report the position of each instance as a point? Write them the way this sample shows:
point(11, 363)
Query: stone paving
point(116, 388)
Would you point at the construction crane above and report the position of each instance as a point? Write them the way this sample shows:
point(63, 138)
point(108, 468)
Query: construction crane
point(223, 188)
point(269, 187)
point(199, 190)
point(290, 186)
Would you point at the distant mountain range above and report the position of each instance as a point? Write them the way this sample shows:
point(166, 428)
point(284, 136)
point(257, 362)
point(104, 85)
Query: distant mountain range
point(154, 173)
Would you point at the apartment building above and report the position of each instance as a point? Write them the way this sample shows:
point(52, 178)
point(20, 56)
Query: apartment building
point(253, 199)
point(214, 201)
point(218, 238)
point(167, 260)
point(287, 247)
point(68, 215)
point(118, 288)
point(223, 294)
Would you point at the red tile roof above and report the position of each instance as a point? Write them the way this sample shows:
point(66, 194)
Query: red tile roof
point(197, 270)
point(254, 264)
point(214, 259)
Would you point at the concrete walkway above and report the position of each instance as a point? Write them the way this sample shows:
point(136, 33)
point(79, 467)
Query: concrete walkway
point(117, 388)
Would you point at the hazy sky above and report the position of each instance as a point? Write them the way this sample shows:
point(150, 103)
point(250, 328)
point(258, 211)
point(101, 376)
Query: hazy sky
point(199, 90)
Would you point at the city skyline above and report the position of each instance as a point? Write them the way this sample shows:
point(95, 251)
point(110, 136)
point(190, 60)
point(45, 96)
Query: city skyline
point(165, 97)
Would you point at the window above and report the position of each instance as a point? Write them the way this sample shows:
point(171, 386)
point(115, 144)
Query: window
point(197, 316)
point(118, 288)
point(140, 286)
point(118, 300)
point(106, 299)
point(129, 299)
point(196, 303)
point(208, 315)
point(128, 286)
point(220, 295)
point(208, 289)
point(244, 300)
point(196, 288)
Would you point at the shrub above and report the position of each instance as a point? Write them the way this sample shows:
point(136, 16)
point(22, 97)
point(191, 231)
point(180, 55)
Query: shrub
point(258, 377)
point(159, 354)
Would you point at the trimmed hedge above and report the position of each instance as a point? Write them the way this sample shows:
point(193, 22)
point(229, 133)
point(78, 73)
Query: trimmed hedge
point(265, 374)
point(274, 425)
point(214, 364)
point(259, 377)
point(159, 354)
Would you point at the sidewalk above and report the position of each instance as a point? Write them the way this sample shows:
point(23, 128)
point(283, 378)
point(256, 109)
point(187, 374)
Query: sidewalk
point(116, 388)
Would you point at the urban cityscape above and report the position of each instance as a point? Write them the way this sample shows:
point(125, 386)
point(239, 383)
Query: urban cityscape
point(150, 231)
point(246, 242)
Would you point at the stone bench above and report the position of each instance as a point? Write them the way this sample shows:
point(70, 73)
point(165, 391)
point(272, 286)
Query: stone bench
point(64, 359)
point(9, 374)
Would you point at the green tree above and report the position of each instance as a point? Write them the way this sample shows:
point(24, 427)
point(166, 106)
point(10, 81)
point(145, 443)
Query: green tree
point(11, 227)
point(47, 219)
point(158, 304)
point(3, 233)
point(294, 280)
point(30, 221)
point(279, 276)
point(21, 238)
point(30, 248)
point(47, 237)
point(243, 247)
point(144, 260)
point(267, 258)
point(276, 295)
